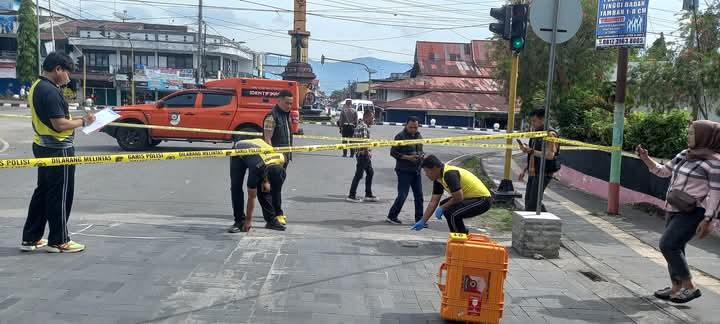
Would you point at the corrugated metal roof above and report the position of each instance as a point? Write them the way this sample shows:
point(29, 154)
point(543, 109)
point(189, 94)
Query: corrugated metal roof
point(454, 59)
point(448, 84)
point(452, 101)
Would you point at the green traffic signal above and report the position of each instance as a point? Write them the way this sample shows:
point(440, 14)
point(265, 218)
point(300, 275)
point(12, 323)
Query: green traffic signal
point(517, 43)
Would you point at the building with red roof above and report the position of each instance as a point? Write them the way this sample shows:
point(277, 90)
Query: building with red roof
point(453, 83)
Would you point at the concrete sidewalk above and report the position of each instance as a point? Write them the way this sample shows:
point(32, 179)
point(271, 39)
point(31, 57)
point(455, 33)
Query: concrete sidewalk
point(623, 249)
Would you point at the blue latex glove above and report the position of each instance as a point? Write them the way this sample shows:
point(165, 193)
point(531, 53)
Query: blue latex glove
point(439, 212)
point(418, 226)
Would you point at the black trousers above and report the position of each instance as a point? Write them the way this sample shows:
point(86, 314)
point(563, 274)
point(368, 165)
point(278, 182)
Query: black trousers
point(347, 131)
point(467, 208)
point(679, 230)
point(276, 176)
point(531, 192)
point(364, 166)
point(52, 200)
point(238, 169)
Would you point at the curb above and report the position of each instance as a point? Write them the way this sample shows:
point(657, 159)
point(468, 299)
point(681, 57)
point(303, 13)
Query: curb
point(13, 105)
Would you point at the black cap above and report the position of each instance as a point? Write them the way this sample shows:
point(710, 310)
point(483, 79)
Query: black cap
point(56, 59)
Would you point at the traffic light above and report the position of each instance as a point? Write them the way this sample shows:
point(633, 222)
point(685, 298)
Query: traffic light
point(504, 17)
point(519, 27)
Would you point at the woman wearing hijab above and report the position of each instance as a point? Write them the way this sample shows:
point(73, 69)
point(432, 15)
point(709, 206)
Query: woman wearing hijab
point(692, 202)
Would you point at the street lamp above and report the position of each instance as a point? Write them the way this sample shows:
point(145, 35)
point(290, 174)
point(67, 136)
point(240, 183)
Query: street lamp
point(132, 66)
point(370, 71)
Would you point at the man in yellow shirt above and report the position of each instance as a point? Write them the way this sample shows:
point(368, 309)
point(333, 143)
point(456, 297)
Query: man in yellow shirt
point(468, 195)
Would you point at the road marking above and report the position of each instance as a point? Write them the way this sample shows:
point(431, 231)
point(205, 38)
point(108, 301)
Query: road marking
point(4, 146)
point(630, 241)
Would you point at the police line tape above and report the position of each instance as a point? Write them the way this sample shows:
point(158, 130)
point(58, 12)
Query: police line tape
point(576, 145)
point(318, 137)
point(140, 157)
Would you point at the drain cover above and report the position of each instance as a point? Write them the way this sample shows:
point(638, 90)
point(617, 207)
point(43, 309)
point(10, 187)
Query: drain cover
point(593, 276)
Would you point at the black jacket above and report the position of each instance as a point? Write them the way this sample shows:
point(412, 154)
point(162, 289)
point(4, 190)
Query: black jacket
point(398, 151)
point(282, 134)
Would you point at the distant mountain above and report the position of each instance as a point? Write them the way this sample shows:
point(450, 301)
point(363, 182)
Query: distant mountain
point(335, 75)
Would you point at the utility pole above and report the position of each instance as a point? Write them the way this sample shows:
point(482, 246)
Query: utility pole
point(199, 43)
point(52, 26)
point(204, 49)
point(39, 53)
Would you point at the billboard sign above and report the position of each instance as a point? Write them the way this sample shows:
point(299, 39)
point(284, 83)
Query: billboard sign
point(621, 23)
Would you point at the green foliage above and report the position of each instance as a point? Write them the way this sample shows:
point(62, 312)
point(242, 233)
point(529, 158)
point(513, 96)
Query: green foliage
point(663, 134)
point(569, 115)
point(601, 126)
point(688, 75)
point(27, 59)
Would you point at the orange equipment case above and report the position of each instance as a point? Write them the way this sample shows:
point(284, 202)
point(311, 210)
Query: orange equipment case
point(472, 278)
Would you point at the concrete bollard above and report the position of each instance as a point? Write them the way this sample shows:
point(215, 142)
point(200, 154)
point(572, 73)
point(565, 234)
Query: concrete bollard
point(536, 234)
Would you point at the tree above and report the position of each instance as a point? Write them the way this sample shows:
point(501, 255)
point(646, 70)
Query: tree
point(27, 38)
point(578, 63)
point(689, 75)
point(659, 51)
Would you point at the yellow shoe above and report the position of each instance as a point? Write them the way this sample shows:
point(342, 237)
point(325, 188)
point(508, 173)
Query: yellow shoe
point(281, 219)
point(69, 247)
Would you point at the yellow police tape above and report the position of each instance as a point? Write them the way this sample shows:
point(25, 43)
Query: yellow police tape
point(577, 145)
point(580, 145)
point(120, 158)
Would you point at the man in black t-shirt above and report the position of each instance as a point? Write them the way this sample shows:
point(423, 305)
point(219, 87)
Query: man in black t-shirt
point(54, 133)
point(265, 171)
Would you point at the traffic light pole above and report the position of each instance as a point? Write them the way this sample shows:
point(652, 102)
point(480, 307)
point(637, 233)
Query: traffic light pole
point(506, 186)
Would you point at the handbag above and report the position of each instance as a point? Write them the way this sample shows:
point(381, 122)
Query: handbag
point(680, 199)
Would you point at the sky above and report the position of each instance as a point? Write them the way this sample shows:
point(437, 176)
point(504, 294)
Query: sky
point(343, 29)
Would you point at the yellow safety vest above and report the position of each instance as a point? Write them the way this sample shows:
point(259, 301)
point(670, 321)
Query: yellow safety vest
point(268, 158)
point(42, 130)
point(470, 185)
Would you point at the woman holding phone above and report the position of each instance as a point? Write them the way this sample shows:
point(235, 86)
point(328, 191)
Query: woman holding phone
point(692, 203)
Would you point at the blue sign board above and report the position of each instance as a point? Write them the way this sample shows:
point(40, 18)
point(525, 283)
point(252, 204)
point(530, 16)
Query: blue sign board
point(621, 23)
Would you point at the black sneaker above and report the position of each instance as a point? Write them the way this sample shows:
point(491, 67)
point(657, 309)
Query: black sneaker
point(370, 198)
point(353, 199)
point(236, 228)
point(685, 295)
point(392, 220)
point(275, 226)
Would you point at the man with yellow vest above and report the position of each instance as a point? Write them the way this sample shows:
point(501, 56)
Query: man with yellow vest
point(54, 133)
point(265, 170)
point(469, 196)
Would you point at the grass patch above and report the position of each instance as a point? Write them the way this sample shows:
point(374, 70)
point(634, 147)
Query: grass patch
point(474, 165)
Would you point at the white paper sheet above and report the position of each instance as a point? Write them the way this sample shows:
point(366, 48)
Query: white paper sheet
point(102, 118)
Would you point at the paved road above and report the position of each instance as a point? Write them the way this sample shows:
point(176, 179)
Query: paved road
point(158, 253)
point(157, 250)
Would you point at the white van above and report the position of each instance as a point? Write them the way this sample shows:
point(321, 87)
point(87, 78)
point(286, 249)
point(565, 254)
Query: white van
point(361, 106)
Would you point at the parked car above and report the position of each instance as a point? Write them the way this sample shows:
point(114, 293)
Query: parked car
point(231, 104)
point(316, 110)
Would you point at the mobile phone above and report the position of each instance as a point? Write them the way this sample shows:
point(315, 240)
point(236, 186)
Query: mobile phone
point(519, 141)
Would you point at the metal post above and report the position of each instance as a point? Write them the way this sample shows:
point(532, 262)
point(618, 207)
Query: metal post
point(618, 129)
point(132, 72)
point(199, 44)
point(52, 26)
point(84, 58)
point(39, 52)
point(540, 173)
point(506, 185)
point(369, 83)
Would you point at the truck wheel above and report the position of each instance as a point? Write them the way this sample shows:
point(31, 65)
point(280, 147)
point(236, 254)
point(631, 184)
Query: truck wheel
point(155, 143)
point(132, 139)
point(237, 137)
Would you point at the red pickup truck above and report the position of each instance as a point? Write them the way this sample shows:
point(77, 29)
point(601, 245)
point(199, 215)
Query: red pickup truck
point(229, 104)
